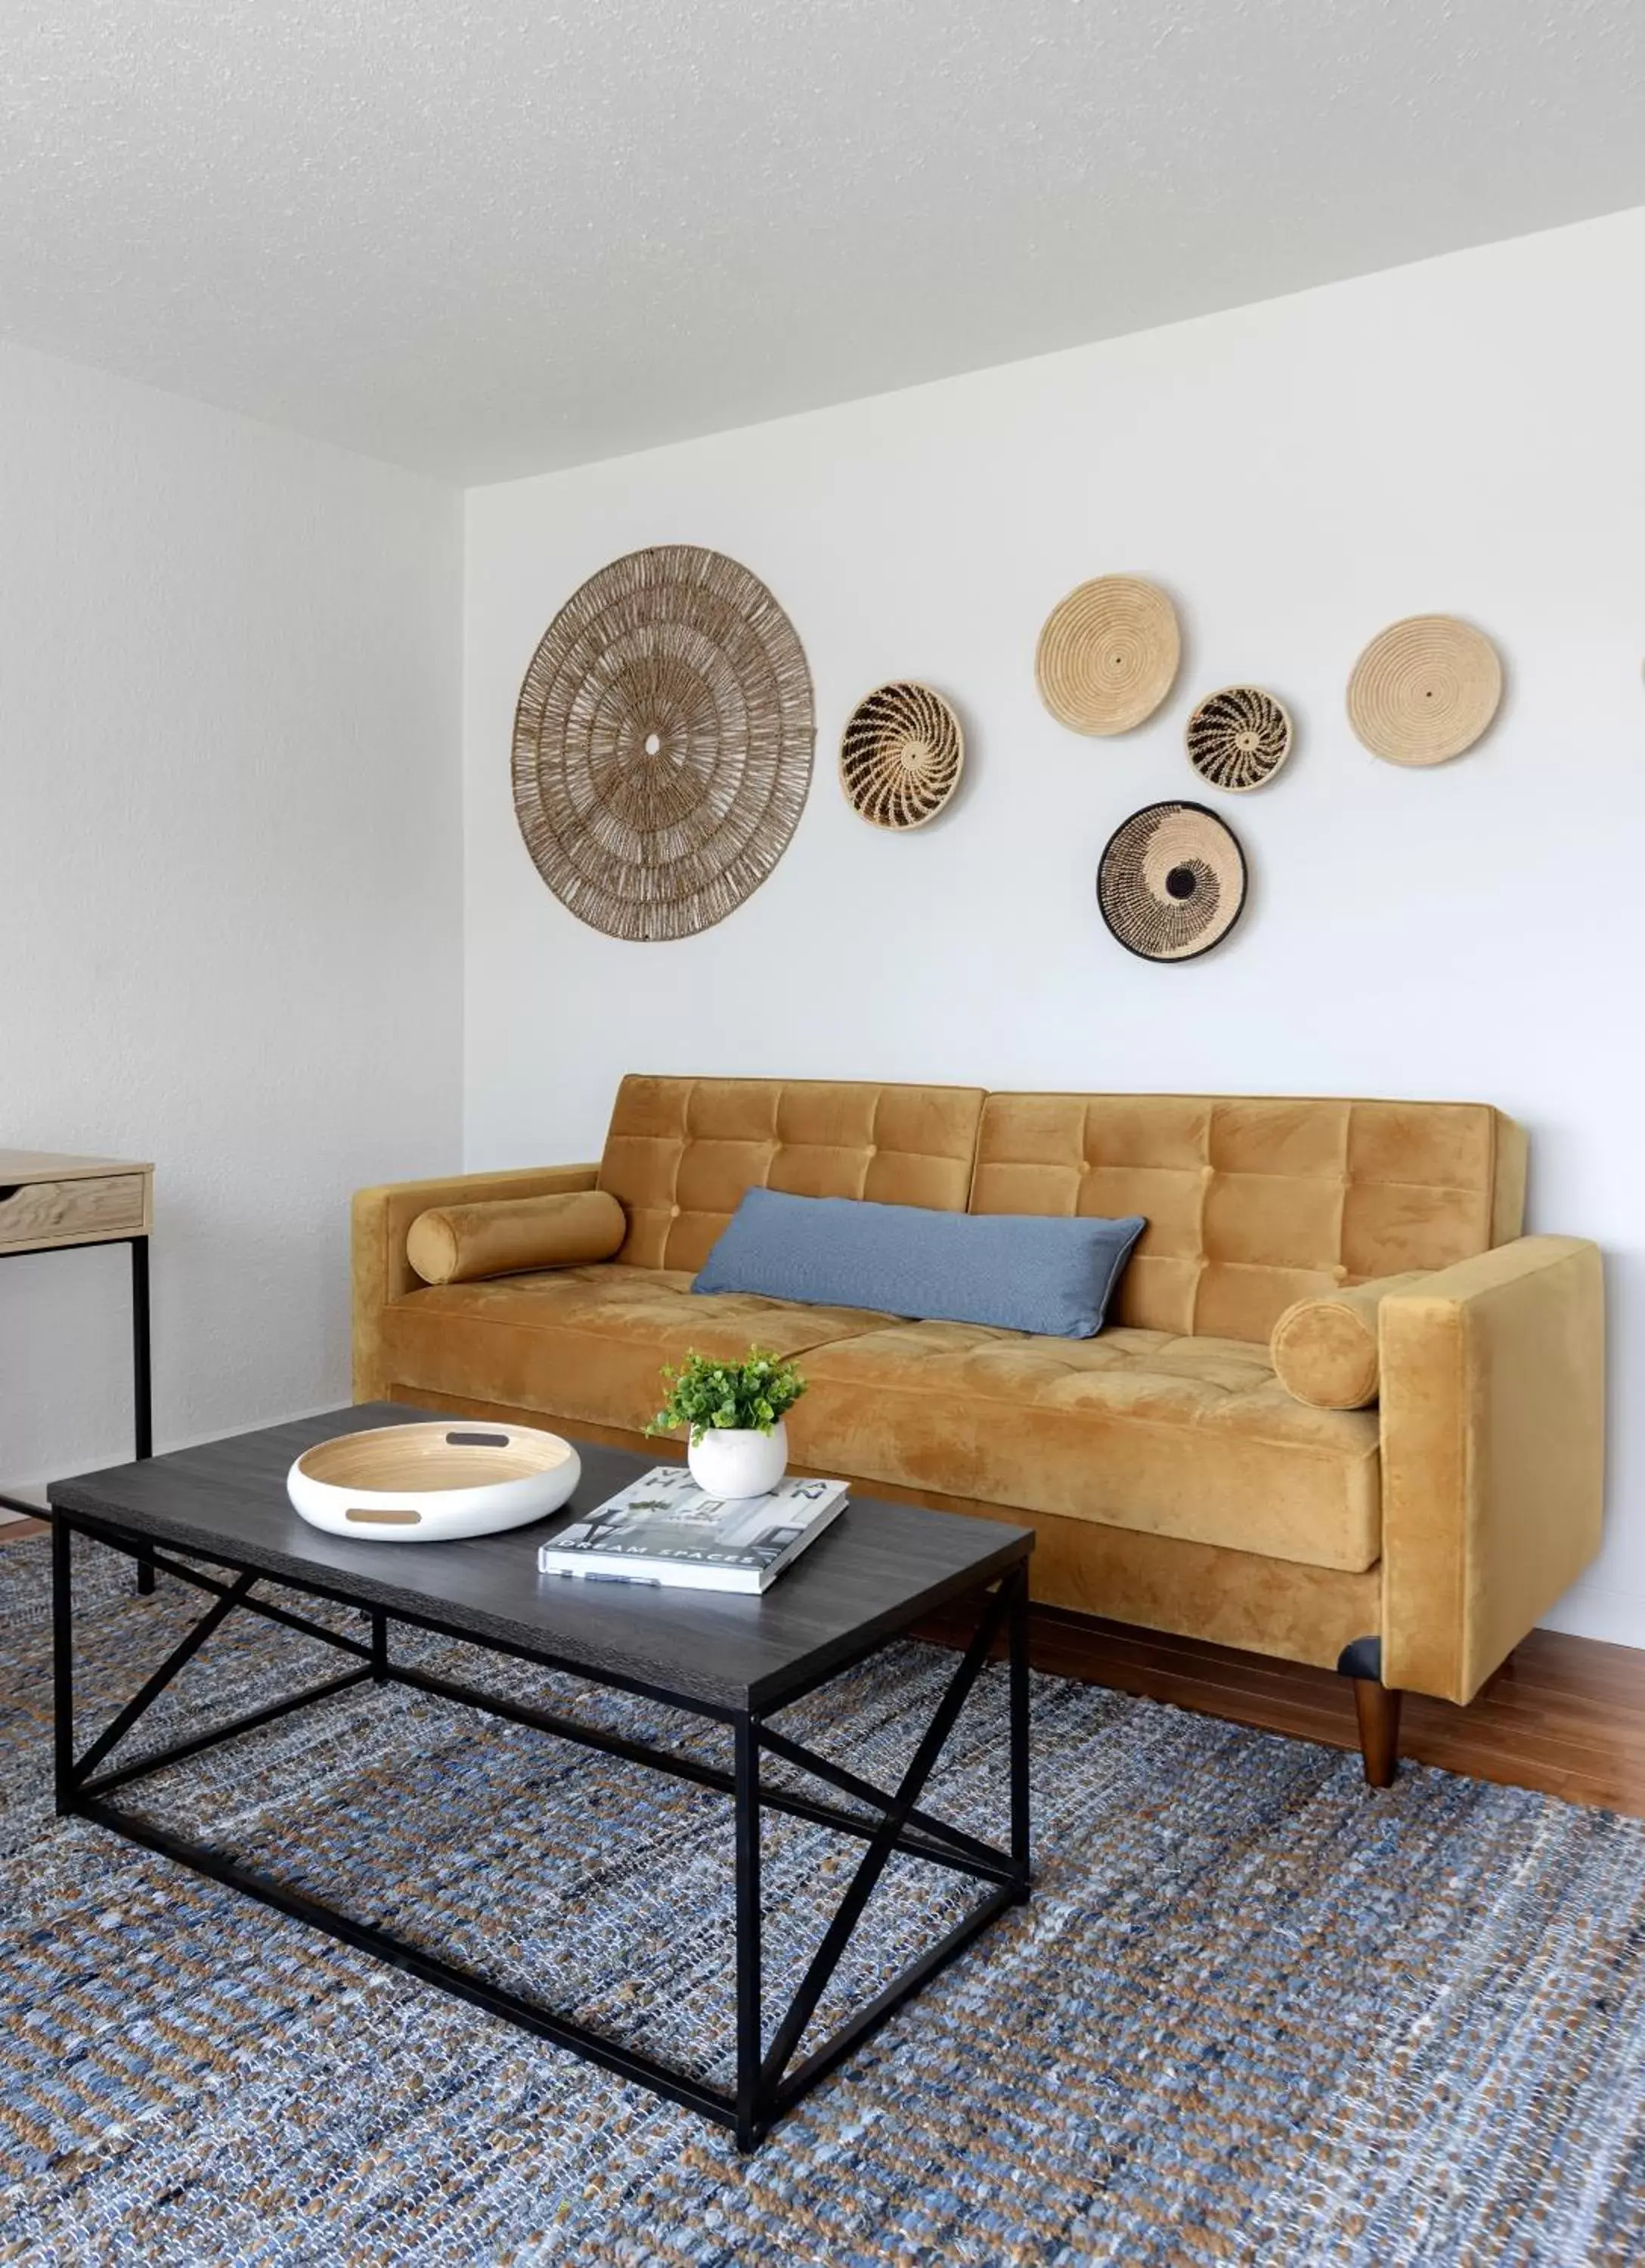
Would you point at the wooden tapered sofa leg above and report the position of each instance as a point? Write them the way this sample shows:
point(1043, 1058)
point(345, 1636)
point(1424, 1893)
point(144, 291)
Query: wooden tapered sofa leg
point(1377, 1706)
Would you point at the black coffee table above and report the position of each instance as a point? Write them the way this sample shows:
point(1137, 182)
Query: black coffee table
point(881, 1569)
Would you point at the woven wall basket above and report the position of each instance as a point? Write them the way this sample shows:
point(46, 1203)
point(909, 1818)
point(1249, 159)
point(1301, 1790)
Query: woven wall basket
point(1238, 739)
point(1171, 883)
point(901, 756)
point(1425, 689)
point(663, 743)
point(1108, 654)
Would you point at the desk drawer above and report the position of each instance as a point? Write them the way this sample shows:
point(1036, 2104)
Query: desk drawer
point(65, 1212)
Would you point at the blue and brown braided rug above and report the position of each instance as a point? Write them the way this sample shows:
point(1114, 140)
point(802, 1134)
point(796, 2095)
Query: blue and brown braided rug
point(1253, 2014)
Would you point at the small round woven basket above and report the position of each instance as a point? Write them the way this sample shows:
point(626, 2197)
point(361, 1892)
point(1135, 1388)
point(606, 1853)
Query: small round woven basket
point(901, 756)
point(663, 742)
point(1108, 655)
point(1238, 739)
point(1425, 689)
point(1171, 882)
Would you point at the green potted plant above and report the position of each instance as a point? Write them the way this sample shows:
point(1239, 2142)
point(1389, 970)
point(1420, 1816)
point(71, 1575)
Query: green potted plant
point(739, 1444)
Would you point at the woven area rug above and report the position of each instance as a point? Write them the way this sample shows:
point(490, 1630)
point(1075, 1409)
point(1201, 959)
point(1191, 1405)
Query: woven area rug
point(1253, 2013)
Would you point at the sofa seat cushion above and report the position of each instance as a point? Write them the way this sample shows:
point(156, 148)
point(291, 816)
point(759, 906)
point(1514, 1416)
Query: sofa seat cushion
point(587, 1341)
point(1187, 1436)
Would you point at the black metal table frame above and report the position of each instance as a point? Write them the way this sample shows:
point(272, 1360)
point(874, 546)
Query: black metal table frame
point(142, 1363)
point(766, 2087)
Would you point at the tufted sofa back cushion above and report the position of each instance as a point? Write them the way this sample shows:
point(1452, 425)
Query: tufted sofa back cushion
point(680, 1152)
point(1253, 1202)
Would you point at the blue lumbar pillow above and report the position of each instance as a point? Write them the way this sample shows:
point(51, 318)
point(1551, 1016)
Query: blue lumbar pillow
point(1023, 1272)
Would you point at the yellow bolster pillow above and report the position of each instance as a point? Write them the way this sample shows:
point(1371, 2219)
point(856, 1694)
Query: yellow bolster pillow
point(1323, 1348)
point(456, 1244)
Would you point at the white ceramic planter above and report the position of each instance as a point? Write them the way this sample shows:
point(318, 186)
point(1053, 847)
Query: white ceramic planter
point(732, 1462)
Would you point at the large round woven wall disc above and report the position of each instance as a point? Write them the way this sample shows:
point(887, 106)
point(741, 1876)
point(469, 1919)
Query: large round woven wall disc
point(1171, 882)
point(1238, 739)
point(663, 743)
point(901, 756)
point(1108, 654)
point(1425, 689)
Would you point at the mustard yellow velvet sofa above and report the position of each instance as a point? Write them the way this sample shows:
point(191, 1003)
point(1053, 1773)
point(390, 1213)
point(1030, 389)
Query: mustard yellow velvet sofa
point(1175, 1480)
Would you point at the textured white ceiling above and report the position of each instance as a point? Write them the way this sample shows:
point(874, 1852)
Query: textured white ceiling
point(493, 238)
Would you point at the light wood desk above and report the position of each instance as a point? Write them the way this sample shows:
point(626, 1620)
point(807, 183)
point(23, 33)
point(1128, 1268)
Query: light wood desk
point(53, 1203)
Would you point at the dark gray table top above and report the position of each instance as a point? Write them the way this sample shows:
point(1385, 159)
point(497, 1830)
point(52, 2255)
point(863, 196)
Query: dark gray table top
point(881, 1568)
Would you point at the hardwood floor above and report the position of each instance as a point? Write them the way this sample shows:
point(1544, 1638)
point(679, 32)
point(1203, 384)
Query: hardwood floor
point(1566, 1715)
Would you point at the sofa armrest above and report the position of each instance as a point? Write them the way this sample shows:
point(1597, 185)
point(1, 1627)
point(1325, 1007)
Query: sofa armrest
point(1493, 1437)
point(381, 1217)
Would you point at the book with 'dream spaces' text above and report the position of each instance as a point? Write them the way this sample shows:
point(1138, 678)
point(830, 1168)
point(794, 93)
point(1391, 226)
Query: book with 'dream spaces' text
point(663, 1528)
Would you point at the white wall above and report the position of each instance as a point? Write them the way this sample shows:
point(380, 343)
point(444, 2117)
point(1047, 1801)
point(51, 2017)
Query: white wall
point(230, 886)
point(1462, 436)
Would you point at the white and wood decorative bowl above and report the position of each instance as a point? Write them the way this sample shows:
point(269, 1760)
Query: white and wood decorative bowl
point(432, 1484)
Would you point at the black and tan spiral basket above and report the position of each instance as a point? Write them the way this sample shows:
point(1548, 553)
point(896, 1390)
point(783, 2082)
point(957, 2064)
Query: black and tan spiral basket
point(1171, 882)
point(1238, 739)
point(901, 756)
point(663, 743)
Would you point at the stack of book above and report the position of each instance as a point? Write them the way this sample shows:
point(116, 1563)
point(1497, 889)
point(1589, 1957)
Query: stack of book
point(663, 1528)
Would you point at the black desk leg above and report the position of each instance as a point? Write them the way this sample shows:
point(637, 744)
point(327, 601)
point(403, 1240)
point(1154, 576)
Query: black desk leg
point(62, 1665)
point(141, 1382)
